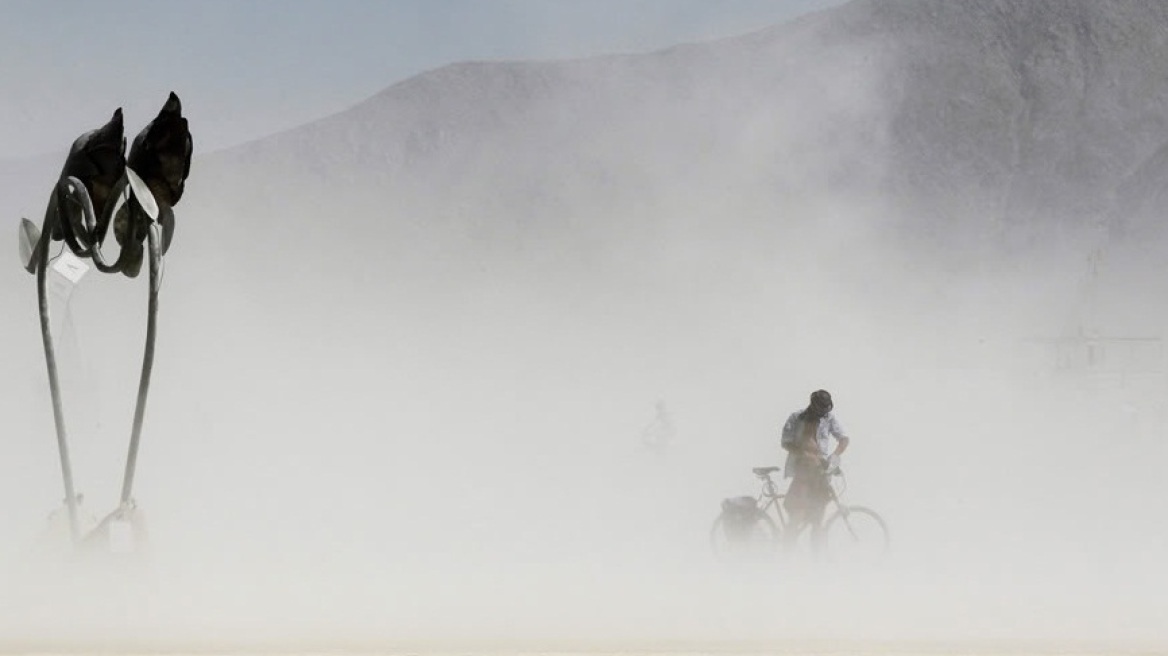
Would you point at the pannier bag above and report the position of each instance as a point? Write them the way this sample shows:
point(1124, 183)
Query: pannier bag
point(738, 516)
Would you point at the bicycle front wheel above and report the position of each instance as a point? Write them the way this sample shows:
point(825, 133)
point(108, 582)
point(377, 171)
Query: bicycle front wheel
point(855, 534)
point(732, 539)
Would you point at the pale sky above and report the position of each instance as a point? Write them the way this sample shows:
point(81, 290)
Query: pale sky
point(246, 68)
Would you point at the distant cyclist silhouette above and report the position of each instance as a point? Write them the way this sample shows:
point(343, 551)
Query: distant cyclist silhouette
point(659, 434)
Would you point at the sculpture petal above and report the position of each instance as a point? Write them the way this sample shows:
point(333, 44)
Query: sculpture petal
point(97, 159)
point(30, 236)
point(132, 259)
point(161, 153)
point(142, 193)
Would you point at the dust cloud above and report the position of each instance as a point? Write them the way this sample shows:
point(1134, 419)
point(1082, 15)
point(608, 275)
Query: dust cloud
point(353, 443)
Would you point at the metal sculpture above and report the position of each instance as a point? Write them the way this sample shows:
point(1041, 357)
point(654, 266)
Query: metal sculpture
point(100, 187)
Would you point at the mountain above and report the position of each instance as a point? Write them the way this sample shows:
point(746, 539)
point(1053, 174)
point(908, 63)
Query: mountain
point(884, 144)
point(922, 158)
point(951, 117)
point(942, 123)
point(572, 155)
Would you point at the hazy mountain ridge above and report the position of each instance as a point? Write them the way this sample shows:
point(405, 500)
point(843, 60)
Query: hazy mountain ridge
point(962, 113)
point(967, 117)
point(934, 127)
point(1037, 109)
point(523, 147)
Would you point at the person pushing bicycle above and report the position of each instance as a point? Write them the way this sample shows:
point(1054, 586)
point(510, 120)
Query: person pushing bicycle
point(807, 437)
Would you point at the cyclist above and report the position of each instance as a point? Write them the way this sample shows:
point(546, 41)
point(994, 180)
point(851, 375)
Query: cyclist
point(658, 435)
point(807, 437)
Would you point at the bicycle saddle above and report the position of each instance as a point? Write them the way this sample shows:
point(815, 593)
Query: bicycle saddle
point(765, 471)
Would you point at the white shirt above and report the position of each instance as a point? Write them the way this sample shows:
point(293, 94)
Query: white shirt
point(828, 428)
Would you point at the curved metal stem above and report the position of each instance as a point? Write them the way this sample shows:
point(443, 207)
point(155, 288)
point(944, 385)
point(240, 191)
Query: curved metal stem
point(54, 386)
point(72, 189)
point(147, 364)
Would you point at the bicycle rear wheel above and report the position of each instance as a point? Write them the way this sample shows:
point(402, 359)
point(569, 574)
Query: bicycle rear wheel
point(855, 534)
point(735, 540)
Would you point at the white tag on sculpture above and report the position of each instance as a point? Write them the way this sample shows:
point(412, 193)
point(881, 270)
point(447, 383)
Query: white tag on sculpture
point(121, 536)
point(70, 266)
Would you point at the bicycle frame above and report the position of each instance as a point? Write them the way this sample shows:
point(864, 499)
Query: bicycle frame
point(864, 525)
point(770, 497)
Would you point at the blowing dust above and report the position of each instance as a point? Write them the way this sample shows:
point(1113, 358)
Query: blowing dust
point(436, 439)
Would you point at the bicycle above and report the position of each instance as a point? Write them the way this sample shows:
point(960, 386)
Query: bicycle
point(746, 529)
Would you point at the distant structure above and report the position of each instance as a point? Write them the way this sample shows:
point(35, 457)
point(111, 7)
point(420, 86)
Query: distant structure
point(1088, 347)
point(1120, 359)
point(1123, 371)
